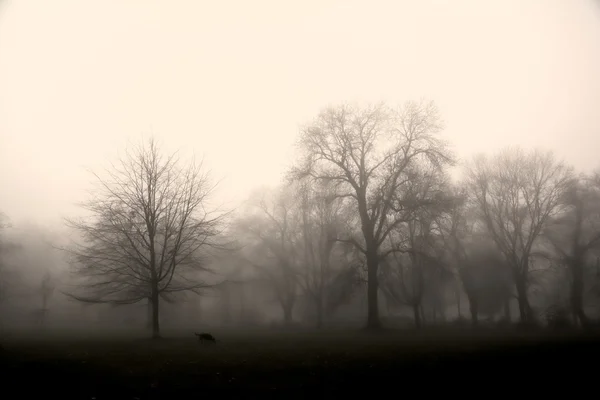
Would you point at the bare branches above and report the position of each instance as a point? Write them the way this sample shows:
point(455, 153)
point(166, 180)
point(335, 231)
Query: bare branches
point(373, 153)
point(271, 232)
point(149, 229)
point(516, 193)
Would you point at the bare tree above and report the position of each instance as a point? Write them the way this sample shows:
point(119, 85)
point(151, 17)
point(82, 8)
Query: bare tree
point(46, 290)
point(407, 277)
point(322, 212)
point(148, 233)
point(516, 193)
point(454, 228)
point(574, 235)
point(272, 230)
point(370, 153)
point(486, 279)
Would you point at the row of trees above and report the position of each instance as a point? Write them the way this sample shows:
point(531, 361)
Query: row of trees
point(368, 202)
point(372, 190)
point(291, 237)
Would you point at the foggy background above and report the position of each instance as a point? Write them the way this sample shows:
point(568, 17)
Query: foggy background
point(233, 80)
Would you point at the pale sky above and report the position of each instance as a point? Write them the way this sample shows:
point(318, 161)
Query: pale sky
point(234, 80)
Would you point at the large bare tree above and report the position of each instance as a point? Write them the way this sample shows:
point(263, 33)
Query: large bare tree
point(370, 153)
point(516, 192)
point(148, 232)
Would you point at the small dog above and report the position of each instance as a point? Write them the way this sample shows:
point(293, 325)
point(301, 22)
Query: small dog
point(205, 336)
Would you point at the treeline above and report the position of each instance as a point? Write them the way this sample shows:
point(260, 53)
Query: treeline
point(371, 201)
point(368, 209)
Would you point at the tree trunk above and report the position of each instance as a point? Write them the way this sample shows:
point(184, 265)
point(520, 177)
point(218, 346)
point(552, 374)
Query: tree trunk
point(417, 315)
point(457, 294)
point(507, 315)
point(155, 321)
point(441, 309)
point(473, 308)
point(577, 296)
point(524, 306)
point(373, 321)
point(319, 304)
point(149, 313)
point(287, 314)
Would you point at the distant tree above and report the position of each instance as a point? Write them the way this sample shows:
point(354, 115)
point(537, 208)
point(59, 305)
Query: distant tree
point(149, 231)
point(409, 276)
point(516, 193)
point(4, 221)
point(7, 274)
point(3, 224)
point(271, 233)
point(369, 154)
point(575, 235)
point(454, 228)
point(486, 279)
point(340, 289)
point(46, 290)
point(322, 222)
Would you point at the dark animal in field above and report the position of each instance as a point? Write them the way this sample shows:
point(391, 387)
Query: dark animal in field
point(202, 337)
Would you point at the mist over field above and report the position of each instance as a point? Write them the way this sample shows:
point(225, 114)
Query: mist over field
point(273, 197)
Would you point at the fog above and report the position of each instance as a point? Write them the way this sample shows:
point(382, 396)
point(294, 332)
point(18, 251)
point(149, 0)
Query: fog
point(171, 168)
point(233, 81)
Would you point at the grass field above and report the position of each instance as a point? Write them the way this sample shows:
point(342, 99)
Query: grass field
point(287, 364)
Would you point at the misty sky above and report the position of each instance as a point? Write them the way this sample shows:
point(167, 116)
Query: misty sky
point(234, 80)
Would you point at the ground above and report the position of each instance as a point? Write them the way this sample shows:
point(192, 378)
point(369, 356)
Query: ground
point(294, 364)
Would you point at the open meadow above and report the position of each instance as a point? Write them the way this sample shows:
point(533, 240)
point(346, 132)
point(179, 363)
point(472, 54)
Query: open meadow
point(292, 364)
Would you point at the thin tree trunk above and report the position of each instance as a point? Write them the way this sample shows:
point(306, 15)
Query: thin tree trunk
point(149, 313)
point(441, 309)
point(155, 315)
point(507, 315)
point(522, 297)
point(319, 304)
point(577, 296)
point(474, 308)
point(417, 316)
point(287, 314)
point(457, 294)
point(373, 321)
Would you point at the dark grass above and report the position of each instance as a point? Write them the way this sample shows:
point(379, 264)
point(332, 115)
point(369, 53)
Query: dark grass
point(297, 364)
